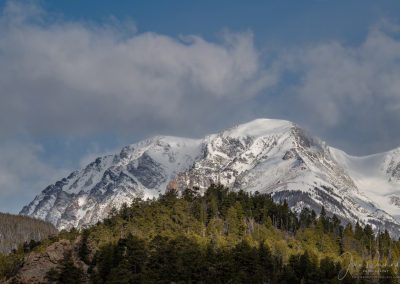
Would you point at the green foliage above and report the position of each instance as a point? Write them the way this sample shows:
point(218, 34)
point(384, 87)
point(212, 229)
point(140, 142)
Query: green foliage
point(218, 237)
point(221, 237)
point(83, 247)
point(181, 260)
point(9, 264)
point(66, 272)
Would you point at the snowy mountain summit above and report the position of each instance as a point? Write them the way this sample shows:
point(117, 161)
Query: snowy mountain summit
point(268, 156)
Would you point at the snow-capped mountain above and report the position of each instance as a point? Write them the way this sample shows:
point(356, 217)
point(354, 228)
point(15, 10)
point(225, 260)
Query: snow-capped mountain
point(140, 170)
point(272, 156)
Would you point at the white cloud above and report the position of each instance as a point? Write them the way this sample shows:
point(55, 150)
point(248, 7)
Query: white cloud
point(349, 91)
point(59, 76)
point(71, 78)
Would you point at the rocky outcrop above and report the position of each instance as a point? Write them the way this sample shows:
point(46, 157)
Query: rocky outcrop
point(37, 264)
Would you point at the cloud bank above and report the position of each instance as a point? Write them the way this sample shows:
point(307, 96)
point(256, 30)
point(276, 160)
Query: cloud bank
point(74, 78)
point(351, 94)
point(78, 78)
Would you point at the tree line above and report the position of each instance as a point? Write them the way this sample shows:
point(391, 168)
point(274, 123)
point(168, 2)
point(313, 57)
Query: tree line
point(223, 236)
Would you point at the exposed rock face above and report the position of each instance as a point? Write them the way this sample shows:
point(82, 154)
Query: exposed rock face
point(37, 264)
point(271, 156)
point(392, 166)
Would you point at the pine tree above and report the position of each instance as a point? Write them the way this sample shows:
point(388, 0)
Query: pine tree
point(66, 272)
point(83, 247)
point(212, 208)
point(265, 269)
point(358, 232)
point(328, 270)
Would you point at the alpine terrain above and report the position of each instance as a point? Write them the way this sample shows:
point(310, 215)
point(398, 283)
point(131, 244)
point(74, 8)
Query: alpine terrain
point(266, 156)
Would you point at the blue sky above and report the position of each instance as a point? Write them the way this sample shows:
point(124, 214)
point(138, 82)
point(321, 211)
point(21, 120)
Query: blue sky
point(80, 79)
point(282, 21)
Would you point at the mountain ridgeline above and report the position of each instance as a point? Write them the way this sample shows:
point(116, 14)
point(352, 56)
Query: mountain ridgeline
point(269, 156)
point(16, 230)
point(220, 236)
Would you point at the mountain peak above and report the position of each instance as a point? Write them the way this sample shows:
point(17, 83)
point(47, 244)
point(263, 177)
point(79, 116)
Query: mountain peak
point(265, 155)
point(259, 127)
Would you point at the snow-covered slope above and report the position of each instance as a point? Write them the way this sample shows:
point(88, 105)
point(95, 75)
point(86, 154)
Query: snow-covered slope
point(272, 156)
point(377, 176)
point(139, 170)
point(280, 158)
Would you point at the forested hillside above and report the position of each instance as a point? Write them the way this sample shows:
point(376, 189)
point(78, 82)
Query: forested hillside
point(16, 229)
point(221, 237)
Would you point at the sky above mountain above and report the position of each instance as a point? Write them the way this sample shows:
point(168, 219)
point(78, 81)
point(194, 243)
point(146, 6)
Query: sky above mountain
point(78, 80)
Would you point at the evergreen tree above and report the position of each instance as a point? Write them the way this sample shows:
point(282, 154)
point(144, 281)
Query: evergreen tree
point(358, 232)
point(219, 237)
point(265, 268)
point(66, 272)
point(83, 247)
